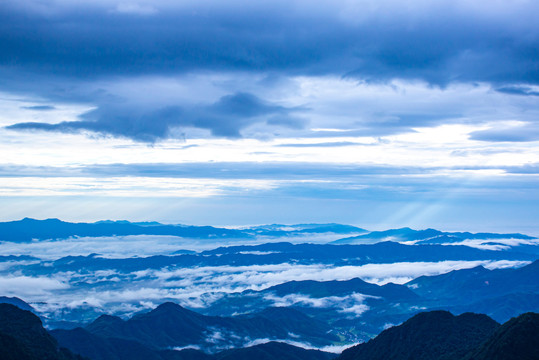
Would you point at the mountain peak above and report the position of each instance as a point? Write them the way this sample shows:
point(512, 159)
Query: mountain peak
point(427, 335)
point(168, 306)
point(168, 311)
point(108, 319)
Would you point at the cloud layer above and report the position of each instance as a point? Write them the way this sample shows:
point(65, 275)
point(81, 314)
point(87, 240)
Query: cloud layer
point(437, 42)
point(84, 52)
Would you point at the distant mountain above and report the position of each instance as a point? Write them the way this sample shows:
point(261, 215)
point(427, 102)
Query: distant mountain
point(435, 335)
point(22, 337)
point(432, 335)
point(478, 283)
point(148, 336)
point(307, 292)
point(17, 302)
point(28, 229)
point(516, 339)
point(280, 253)
point(382, 252)
point(499, 293)
point(356, 310)
point(428, 236)
point(319, 289)
point(500, 308)
point(170, 325)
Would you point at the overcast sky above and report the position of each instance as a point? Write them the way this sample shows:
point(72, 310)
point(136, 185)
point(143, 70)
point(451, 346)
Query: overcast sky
point(377, 113)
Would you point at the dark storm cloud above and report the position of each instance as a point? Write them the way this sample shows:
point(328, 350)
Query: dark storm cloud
point(226, 117)
point(438, 44)
point(55, 50)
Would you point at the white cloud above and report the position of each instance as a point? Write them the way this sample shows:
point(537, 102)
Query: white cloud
point(494, 244)
point(180, 348)
point(139, 245)
point(357, 309)
point(30, 287)
point(352, 303)
point(200, 287)
point(336, 349)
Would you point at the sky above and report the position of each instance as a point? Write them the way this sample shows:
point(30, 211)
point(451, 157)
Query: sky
point(375, 113)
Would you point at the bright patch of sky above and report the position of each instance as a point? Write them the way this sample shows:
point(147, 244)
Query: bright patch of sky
point(271, 112)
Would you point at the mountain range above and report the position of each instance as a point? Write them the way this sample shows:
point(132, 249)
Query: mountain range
point(435, 335)
point(29, 229)
point(246, 288)
point(321, 313)
point(170, 326)
point(355, 309)
point(159, 327)
point(279, 253)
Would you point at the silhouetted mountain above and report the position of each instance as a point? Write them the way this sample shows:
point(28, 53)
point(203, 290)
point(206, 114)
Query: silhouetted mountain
point(22, 336)
point(516, 339)
point(170, 325)
point(165, 326)
point(427, 336)
point(5, 258)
